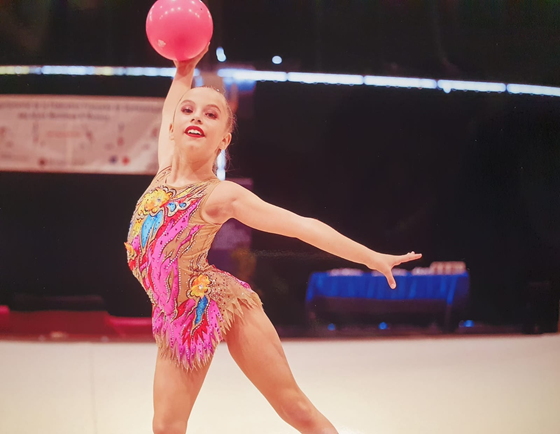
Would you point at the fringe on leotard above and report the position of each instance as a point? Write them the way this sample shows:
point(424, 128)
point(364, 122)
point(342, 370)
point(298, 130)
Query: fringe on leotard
point(206, 349)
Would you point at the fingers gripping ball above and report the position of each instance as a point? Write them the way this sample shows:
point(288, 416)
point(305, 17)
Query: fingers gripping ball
point(179, 29)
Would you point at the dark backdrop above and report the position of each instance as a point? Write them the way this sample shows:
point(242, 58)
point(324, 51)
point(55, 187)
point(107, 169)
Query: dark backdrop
point(500, 40)
point(460, 176)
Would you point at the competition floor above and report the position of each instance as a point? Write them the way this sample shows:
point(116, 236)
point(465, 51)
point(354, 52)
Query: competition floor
point(442, 385)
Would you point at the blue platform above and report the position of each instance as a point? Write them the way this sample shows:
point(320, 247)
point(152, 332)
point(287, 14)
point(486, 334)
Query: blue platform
point(440, 294)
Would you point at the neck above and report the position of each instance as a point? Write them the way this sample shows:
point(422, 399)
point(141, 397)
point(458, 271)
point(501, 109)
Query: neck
point(185, 170)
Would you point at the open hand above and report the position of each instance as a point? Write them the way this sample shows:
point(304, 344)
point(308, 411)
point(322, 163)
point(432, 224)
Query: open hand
point(185, 66)
point(385, 263)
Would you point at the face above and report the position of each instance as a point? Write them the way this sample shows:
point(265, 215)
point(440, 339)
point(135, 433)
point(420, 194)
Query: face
point(201, 122)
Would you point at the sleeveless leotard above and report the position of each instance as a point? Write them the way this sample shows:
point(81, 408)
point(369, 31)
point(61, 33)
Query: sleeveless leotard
point(193, 303)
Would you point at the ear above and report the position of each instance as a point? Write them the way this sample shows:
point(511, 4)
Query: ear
point(225, 141)
point(171, 131)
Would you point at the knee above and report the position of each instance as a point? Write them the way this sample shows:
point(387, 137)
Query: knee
point(168, 427)
point(298, 411)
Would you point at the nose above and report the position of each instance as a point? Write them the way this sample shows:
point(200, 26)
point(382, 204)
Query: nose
point(196, 118)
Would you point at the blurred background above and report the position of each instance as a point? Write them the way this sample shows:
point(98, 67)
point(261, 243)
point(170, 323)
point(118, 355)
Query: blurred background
point(464, 176)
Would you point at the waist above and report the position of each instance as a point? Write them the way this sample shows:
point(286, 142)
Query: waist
point(193, 266)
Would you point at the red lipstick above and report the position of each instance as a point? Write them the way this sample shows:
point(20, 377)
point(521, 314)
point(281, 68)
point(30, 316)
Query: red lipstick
point(193, 131)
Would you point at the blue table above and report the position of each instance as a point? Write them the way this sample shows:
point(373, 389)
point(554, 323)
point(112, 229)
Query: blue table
point(444, 293)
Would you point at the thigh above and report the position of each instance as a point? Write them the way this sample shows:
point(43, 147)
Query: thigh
point(175, 391)
point(255, 346)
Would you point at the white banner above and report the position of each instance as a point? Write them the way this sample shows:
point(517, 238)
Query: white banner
point(84, 134)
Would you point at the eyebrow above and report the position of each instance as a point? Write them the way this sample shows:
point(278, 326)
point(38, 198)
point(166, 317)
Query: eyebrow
point(207, 105)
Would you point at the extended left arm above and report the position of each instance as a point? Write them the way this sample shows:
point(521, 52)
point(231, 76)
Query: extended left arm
point(233, 200)
point(251, 210)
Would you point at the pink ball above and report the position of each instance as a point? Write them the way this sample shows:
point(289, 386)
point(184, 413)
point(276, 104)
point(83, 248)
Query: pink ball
point(179, 29)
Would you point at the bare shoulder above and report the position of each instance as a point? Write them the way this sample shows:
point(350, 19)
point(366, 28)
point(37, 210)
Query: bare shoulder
point(219, 205)
point(228, 191)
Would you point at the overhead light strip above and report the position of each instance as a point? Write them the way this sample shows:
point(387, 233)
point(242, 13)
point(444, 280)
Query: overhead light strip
point(293, 77)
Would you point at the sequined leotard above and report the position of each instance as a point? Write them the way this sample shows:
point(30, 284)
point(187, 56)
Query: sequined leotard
point(193, 303)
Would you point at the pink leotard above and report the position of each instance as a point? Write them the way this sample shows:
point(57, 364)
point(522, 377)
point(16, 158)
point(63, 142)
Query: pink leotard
point(193, 303)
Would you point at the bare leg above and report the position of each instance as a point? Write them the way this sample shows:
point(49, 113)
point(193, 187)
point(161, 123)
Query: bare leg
point(175, 391)
point(255, 346)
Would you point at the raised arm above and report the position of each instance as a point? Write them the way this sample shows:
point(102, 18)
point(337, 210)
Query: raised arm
point(182, 82)
point(231, 200)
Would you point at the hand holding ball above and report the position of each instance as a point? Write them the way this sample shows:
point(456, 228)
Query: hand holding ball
point(179, 29)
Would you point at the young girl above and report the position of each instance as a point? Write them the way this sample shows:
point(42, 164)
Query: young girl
point(195, 305)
